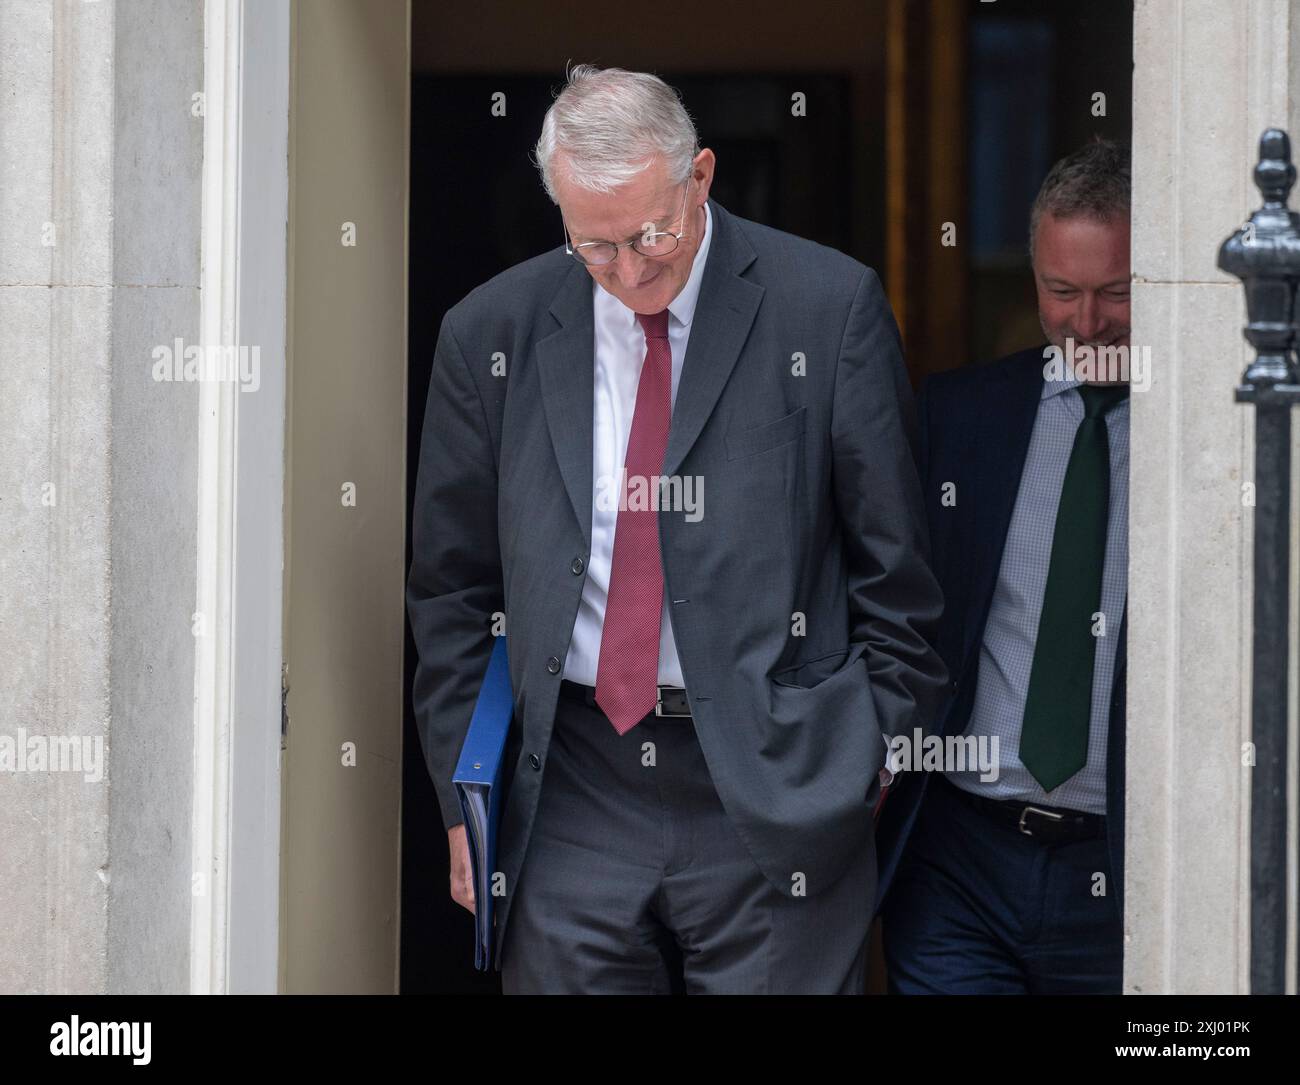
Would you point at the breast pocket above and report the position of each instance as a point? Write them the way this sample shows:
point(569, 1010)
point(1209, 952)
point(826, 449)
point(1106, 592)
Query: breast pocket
point(780, 431)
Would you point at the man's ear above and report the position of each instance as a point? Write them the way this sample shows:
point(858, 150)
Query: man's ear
point(705, 163)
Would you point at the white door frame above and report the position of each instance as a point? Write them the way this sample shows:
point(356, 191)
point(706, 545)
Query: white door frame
point(234, 929)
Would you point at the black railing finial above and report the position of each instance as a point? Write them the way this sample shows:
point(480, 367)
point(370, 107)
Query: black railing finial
point(1265, 255)
point(1275, 175)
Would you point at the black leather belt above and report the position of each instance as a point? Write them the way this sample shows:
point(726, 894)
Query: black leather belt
point(672, 699)
point(1046, 824)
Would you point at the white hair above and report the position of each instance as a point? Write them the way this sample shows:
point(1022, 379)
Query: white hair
point(608, 124)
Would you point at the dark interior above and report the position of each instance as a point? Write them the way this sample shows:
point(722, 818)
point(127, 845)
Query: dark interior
point(914, 118)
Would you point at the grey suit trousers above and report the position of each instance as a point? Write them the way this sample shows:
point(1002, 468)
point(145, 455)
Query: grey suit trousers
point(633, 864)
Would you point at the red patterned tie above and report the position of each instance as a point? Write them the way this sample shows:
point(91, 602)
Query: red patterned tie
point(627, 673)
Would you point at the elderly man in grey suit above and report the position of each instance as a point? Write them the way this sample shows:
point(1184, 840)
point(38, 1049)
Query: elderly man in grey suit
point(674, 457)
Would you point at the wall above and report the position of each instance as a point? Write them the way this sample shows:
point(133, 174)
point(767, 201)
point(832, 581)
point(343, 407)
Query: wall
point(1209, 78)
point(345, 567)
point(102, 156)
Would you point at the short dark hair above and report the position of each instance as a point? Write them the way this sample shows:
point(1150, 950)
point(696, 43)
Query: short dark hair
point(1095, 182)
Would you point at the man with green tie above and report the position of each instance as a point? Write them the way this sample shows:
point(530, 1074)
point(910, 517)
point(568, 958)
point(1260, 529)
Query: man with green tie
point(1012, 884)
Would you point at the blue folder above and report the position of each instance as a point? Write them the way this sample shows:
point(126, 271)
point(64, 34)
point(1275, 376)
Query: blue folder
point(478, 787)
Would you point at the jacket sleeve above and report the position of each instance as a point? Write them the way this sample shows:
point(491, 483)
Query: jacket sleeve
point(454, 587)
point(894, 600)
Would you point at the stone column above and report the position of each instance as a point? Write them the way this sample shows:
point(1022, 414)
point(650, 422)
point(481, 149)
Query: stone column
point(101, 154)
point(1209, 77)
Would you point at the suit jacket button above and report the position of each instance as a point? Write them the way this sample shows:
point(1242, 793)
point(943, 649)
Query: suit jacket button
point(553, 665)
point(535, 761)
point(954, 685)
point(577, 566)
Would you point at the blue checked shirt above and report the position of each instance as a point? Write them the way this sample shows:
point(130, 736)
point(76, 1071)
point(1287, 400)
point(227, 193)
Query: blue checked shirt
point(1007, 652)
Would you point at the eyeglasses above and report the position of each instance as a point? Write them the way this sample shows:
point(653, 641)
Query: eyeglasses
point(650, 242)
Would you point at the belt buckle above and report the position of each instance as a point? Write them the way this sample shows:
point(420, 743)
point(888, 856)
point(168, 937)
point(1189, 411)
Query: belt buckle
point(659, 702)
point(1037, 810)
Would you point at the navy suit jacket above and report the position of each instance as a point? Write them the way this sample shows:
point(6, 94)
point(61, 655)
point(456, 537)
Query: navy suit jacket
point(975, 424)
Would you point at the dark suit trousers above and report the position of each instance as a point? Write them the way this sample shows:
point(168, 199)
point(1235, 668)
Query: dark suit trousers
point(978, 907)
point(633, 871)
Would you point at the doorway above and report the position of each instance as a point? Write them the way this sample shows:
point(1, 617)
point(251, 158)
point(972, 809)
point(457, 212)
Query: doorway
point(392, 102)
point(345, 499)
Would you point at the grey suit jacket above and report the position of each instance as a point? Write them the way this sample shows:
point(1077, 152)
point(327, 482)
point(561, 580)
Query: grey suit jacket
point(801, 603)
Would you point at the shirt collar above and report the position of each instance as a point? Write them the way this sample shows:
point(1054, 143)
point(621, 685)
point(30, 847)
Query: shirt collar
point(1061, 384)
point(1064, 384)
point(683, 306)
point(1056, 386)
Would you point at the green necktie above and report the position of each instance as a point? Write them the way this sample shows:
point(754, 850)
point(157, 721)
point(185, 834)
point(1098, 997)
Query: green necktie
point(1058, 707)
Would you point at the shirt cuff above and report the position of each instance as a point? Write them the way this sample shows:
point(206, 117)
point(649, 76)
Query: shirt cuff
point(893, 763)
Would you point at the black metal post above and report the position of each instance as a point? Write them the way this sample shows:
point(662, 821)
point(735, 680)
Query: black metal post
point(1269, 698)
point(1265, 255)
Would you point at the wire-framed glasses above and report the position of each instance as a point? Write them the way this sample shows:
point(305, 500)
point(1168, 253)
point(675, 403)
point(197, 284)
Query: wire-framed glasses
point(650, 242)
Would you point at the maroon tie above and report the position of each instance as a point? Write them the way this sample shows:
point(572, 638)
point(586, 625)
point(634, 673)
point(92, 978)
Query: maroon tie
point(627, 673)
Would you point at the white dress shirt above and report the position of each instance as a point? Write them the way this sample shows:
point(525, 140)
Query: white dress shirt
point(619, 355)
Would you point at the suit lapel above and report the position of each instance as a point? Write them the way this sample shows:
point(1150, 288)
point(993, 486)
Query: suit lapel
point(565, 365)
point(724, 313)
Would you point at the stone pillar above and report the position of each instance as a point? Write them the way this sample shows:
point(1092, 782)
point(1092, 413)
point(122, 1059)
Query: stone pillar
point(1209, 77)
point(99, 263)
